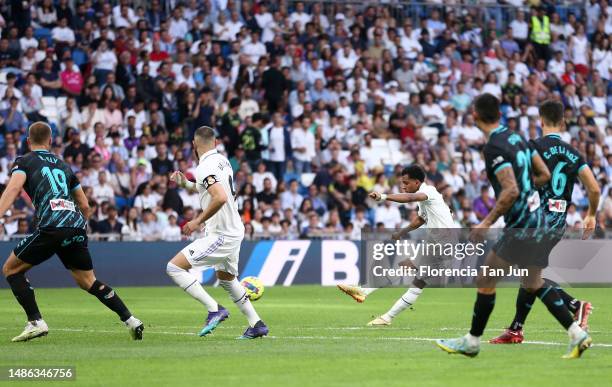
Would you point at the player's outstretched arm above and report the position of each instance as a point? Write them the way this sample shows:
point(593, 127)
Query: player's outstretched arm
point(508, 195)
point(541, 174)
point(593, 192)
point(12, 190)
point(81, 200)
point(399, 197)
point(218, 198)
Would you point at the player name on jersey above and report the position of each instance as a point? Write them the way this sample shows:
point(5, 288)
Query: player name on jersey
point(561, 151)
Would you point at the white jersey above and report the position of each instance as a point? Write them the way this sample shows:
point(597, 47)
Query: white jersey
point(434, 210)
point(214, 168)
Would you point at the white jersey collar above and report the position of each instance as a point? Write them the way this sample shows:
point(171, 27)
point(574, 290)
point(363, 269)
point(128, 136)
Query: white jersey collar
point(205, 155)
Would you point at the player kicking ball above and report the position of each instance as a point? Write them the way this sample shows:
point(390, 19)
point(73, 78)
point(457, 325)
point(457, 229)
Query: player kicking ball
point(513, 169)
point(567, 166)
point(220, 246)
point(433, 213)
point(61, 210)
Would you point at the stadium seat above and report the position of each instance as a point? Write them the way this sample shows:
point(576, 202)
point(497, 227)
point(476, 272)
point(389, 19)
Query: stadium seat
point(394, 144)
point(306, 179)
point(291, 176)
point(398, 157)
point(3, 77)
point(344, 154)
point(379, 143)
point(430, 134)
point(52, 114)
point(43, 33)
point(602, 124)
point(79, 56)
point(61, 102)
point(388, 169)
point(380, 147)
point(404, 97)
point(49, 102)
point(387, 160)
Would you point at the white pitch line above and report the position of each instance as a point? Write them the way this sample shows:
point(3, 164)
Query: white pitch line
point(78, 330)
point(527, 330)
point(379, 338)
point(386, 328)
point(429, 339)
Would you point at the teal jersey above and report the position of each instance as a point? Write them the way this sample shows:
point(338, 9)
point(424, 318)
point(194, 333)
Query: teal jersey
point(564, 163)
point(507, 149)
point(50, 183)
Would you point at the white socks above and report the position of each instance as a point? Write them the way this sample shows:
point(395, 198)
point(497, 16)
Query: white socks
point(574, 331)
point(239, 296)
point(368, 291)
point(191, 285)
point(472, 341)
point(405, 301)
point(132, 322)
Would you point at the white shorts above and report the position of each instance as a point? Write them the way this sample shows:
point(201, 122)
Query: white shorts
point(217, 251)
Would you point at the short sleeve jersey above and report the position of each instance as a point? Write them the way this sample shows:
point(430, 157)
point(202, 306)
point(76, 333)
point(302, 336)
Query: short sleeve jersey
point(507, 149)
point(564, 163)
point(50, 183)
point(215, 168)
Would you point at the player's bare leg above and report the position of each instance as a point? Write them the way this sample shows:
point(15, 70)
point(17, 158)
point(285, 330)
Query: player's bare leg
point(178, 271)
point(14, 270)
point(238, 294)
point(87, 281)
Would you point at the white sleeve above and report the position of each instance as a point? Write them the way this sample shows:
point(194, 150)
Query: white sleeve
point(207, 175)
point(427, 191)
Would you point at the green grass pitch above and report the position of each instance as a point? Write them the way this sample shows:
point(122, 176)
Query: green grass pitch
point(317, 337)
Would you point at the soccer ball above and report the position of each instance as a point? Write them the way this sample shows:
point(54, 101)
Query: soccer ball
point(254, 287)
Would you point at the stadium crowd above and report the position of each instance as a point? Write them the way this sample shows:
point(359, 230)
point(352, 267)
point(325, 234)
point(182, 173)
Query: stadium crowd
point(314, 109)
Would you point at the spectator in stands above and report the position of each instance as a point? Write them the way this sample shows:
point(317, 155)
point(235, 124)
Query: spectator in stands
point(103, 190)
point(291, 198)
point(139, 79)
point(388, 215)
point(104, 62)
point(110, 225)
point(279, 146)
point(303, 145)
point(160, 164)
point(313, 227)
point(149, 226)
point(484, 203)
point(171, 232)
point(11, 118)
point(146, 200)
point(251, 141)
point(573, 217)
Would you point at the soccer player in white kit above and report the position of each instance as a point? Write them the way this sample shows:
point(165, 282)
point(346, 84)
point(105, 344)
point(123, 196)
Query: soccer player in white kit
point(433, 213)
point(223, 234)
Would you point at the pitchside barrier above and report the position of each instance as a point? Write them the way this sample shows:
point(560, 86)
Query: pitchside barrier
point(291, 262)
